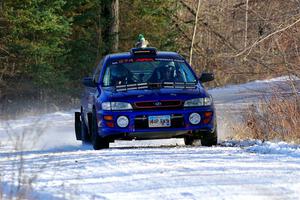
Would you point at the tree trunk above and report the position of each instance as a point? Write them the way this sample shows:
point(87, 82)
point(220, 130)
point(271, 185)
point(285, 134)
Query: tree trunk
point(1, 6)
point(114, 29)
point(194, 32)
point(246, 24)
point(2, 20)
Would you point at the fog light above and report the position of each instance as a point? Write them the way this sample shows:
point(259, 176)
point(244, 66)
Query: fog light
point(122, 121)
point(194, 118)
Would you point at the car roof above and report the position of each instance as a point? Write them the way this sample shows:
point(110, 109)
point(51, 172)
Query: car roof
point(159, 54)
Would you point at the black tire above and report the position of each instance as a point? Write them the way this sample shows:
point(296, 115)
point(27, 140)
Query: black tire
point(85, 137)
point(189, 140)
point(97, 141)
point(209, 138)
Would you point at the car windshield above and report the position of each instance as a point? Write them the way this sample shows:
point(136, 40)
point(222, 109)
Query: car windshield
point(147, 70)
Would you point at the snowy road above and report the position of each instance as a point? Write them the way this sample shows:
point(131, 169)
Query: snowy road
point(154, 172)
point(60, 168)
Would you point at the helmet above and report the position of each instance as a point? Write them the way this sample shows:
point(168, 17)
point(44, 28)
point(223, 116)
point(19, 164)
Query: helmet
point(171, 64)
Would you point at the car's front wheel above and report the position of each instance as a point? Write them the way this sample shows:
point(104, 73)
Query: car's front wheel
point(188, 140)
point(97, 141)
point(209, 138)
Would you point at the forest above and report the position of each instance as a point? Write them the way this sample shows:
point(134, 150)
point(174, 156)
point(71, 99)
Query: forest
point(47, 47)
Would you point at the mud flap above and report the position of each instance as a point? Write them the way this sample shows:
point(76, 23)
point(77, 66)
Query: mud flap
point(78, 125)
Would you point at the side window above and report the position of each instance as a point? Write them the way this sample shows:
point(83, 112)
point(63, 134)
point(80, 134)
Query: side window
point(98, 71)
point(185, 74)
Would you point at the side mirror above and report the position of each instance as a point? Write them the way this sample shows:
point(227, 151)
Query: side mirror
point(206, 77)
point(89, 82)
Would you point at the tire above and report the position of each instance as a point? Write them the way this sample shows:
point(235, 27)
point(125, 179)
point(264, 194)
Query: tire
point(97, 141)
point(209, 138)
point(189, 140)
point(85, 137)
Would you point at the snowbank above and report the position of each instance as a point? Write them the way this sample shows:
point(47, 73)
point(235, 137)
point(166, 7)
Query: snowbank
point(258, 146)
point(279, 79)
point(275, 148)
point(254, 86)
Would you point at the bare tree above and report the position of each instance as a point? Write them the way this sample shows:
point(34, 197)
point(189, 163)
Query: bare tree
point(237, 39)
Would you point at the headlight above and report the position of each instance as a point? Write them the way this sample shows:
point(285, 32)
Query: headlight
point(116, 106)
point(207, 101)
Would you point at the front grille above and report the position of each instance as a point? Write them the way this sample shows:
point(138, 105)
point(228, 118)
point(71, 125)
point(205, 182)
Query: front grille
point(164, 104)
point(141, 121)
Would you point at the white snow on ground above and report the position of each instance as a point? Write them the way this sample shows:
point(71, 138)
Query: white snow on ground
point(154, 172)
point(54, 130)
point(249, 93)
point(276, 148)
point(233, 100)
point(280, 79)
point(60, 168)
point(258, 146)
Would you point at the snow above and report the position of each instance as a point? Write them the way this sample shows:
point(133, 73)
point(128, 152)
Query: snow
point(265, 147)
point(60, 168)
point(280, 79)
point(249, 93)
point(276, 148)
point(154, 172)
point(231, 101)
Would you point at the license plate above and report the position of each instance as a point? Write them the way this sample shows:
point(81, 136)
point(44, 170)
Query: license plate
point(159, 121)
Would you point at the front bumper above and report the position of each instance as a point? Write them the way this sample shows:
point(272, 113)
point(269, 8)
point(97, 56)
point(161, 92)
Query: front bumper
point(139, 129)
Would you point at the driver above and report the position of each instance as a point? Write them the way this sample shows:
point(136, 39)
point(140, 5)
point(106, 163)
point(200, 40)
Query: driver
point(167, 72)
point(120, 75)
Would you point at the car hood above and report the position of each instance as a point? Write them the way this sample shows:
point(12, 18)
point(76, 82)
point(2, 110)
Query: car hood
point(108, 94)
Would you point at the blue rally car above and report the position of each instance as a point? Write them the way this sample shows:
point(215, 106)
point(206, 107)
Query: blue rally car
point(145, 94)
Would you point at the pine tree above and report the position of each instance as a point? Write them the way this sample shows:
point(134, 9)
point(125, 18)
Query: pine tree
point(37, 31)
